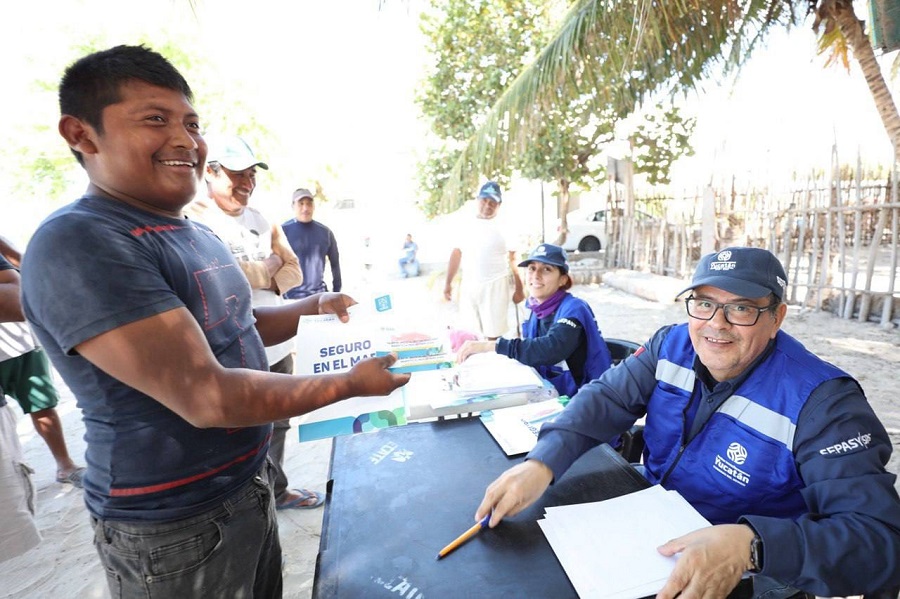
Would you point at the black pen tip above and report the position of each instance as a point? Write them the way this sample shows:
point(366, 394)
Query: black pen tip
point(438, 556)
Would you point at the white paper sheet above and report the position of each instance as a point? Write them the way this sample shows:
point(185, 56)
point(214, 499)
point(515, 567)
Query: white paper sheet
point(516, 428)
point(608, 548)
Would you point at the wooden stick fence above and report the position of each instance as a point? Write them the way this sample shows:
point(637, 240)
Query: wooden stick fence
point(837, 240)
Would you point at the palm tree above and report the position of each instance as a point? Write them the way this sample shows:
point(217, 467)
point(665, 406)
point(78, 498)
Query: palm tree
point(618, 53)
point(839, 15)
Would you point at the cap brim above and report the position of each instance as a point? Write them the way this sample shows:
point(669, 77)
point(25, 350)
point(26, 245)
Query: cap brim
point(562, 267)
point(491, 196)
point(731, 285)
point(236, 166)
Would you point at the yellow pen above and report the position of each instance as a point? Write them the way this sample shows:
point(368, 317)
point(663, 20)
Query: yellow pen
point(464, 537)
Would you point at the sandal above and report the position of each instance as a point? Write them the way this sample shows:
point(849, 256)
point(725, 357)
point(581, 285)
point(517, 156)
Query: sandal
point(306, 500)
point(73, 478)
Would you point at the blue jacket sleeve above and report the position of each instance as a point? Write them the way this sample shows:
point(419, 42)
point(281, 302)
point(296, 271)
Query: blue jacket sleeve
point(335, 260)
point(601, 410)
point(560, 341)
point(840, 448)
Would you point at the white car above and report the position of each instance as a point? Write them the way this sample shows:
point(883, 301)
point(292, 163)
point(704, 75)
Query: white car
point(587, 229)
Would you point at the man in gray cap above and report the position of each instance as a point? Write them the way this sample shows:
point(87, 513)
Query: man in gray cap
point(314, 243)
point(777, 448)
point(266, 260)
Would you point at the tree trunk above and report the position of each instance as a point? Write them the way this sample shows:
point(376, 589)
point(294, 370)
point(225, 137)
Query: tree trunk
point(563, 186)
point(841, 11)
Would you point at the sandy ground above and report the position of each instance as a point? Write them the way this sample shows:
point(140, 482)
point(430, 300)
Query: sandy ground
point(65, 564)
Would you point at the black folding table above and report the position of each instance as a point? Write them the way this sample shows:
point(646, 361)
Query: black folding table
point(399, 495)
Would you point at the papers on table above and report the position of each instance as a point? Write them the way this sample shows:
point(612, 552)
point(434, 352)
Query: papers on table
point(608, 548)
point(516, 428)
point(437, 393)
point(492, 373)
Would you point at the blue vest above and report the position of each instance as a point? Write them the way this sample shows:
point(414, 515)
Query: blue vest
point(597, 357)
point(742, 461)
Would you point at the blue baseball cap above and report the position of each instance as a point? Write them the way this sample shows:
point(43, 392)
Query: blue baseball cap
point(747, 272)
point(549, 254)
point(491, 190)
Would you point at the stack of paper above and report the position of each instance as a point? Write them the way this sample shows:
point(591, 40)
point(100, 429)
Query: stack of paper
point(414, 345)
point(434, 394)
point(424, 362)
point(491, 373)
point(608, 548)
point(417, 352)
point(516, 429)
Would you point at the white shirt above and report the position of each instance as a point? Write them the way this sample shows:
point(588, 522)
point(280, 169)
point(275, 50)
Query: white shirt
point(485, 251)
point(15, 340)
point(249, 237)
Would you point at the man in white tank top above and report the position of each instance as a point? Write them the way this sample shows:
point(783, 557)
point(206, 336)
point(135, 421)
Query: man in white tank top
point(490, 277)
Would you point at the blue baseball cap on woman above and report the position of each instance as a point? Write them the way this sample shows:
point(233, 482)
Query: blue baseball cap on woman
point(548, 253)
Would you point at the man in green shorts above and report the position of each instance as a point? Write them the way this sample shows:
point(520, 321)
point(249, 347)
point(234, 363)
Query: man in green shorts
point(25, 376)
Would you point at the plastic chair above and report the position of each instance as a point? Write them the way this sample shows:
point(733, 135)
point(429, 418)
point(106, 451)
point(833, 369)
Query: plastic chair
point(620, 349)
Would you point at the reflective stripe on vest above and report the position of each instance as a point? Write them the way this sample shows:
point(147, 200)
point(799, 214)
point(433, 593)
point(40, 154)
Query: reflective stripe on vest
point(675, 375)
point(761, 419)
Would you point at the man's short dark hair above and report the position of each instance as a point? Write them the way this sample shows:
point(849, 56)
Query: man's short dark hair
point(94, 82)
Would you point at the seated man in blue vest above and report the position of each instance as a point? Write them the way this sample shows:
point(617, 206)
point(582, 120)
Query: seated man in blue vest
point(777, 448)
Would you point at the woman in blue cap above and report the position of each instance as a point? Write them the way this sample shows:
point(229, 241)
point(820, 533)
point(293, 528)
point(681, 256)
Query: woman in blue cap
point(561, 338)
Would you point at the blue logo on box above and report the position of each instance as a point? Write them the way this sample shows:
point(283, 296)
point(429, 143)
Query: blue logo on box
point(383, 303)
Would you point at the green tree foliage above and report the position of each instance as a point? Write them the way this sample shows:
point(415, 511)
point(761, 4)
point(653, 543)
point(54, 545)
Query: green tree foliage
point(479, 47)
point(663, 137)
point(480, 76)
point(617, 54)
point(47, 170)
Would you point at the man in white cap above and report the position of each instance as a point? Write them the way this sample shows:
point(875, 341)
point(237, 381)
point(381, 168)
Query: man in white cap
point(266, 260)
point(777, 448)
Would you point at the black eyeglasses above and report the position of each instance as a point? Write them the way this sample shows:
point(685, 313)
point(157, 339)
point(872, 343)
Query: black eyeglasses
point(740, 315)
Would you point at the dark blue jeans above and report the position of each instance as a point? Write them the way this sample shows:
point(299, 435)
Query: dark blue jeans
point(231, 550)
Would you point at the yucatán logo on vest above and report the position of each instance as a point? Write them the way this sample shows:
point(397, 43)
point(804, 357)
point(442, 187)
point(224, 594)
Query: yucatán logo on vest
point(723, 262)
point(737, 455)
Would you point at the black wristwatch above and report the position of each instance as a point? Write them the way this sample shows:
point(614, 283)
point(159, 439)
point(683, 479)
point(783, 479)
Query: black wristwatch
point(756, 554)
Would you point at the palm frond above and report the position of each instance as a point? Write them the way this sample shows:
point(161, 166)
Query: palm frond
point(612, 54)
